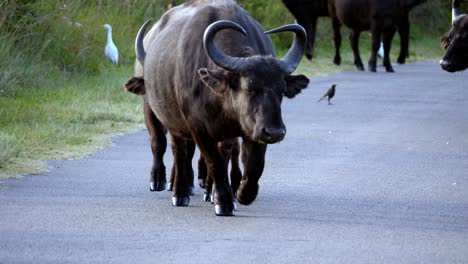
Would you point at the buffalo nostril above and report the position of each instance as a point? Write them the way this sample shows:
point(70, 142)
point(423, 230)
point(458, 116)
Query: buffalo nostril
point(274, 132)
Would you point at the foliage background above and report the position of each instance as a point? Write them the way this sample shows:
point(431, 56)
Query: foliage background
point(67, 36)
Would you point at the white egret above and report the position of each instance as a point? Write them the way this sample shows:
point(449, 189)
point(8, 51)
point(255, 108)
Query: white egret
point(111, 50)
point(381, 50)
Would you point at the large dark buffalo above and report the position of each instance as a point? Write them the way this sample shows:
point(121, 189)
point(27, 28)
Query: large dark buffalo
point(210, 75)
point(382, 18)
point(456, 41)
point(307, 12)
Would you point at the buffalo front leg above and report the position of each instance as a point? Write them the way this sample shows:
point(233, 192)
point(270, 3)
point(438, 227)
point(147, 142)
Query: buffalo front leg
point(387, 41)
point(337, 40)
point(253, 158)
point(217, 170)
point(354, 39)
point(181, 185)
point(158, 142)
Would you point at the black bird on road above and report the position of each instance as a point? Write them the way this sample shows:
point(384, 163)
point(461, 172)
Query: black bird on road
point(329, 94)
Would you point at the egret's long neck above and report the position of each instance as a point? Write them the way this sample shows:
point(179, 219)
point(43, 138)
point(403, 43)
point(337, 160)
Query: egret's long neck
point(109, 36)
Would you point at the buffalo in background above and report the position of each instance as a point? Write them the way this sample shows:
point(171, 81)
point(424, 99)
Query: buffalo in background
point(455, 42)
point(381, 17)
point(307, 12)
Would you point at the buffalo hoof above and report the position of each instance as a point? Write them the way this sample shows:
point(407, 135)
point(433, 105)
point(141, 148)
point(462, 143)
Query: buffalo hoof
point(201, 183)
point(337, 60)
point(372, 69)
point(157, 186)
point(309, 56)
point(191, 190)
point(247, 194)
point(224, 210)
point(180, 200)
point(207, 197)
point(361, 68)
point(389, 69)
point(401, 60)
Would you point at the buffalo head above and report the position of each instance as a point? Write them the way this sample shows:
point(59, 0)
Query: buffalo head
point(456, 42)
point(253, 87)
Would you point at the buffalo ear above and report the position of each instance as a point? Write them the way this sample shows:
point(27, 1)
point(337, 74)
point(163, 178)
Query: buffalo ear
point(295, 84)
point(216, 80)
point(135, 85)
point(444, 41)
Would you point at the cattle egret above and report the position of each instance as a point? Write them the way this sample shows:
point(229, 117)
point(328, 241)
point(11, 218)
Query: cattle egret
point(381, 50)
point(329, 94)
point(111, 50)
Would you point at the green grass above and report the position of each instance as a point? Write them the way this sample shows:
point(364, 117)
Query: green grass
point(61, 99)
point(66, 121)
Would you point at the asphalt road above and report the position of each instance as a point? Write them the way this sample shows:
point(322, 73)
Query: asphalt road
point(381, 176)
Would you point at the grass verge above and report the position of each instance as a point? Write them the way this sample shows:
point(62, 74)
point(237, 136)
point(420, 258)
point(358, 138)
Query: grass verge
point(67, 121)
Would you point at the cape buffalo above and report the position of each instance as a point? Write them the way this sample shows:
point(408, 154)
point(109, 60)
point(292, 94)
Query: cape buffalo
point(382, 17)
point(456, 41)
point(307, 12)
point(210, 74)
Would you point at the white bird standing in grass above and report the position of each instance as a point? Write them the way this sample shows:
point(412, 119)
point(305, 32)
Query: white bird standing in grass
point(111, 50)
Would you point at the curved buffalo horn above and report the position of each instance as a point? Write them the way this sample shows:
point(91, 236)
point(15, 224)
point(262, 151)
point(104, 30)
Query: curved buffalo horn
point(139, 49)
point(456, 9)
point(294, 55)
point(219, 58)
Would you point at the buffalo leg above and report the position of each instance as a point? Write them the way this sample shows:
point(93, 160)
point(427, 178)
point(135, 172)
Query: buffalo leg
point(158, 141)
point(253, 158)
point(337, 40)
point(387, 41)
point(202, 173)
point(181, 183)
point(217, 170)
point(403, 31)
point(376, 36)
point(311, 31)
point(190, 153)
point(190, 146)
point(236, 174)
point(354, 39)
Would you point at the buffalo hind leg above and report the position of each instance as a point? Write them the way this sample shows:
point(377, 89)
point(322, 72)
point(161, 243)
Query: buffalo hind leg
point(158, 141)
point(190, 145)
point(387, 41)
point(231, 151)
point(375, 45)
point(181, 185)
point(337, 40)
point(354, 39)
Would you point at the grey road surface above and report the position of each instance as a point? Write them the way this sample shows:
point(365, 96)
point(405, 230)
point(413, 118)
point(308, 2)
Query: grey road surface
point(381, 176)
